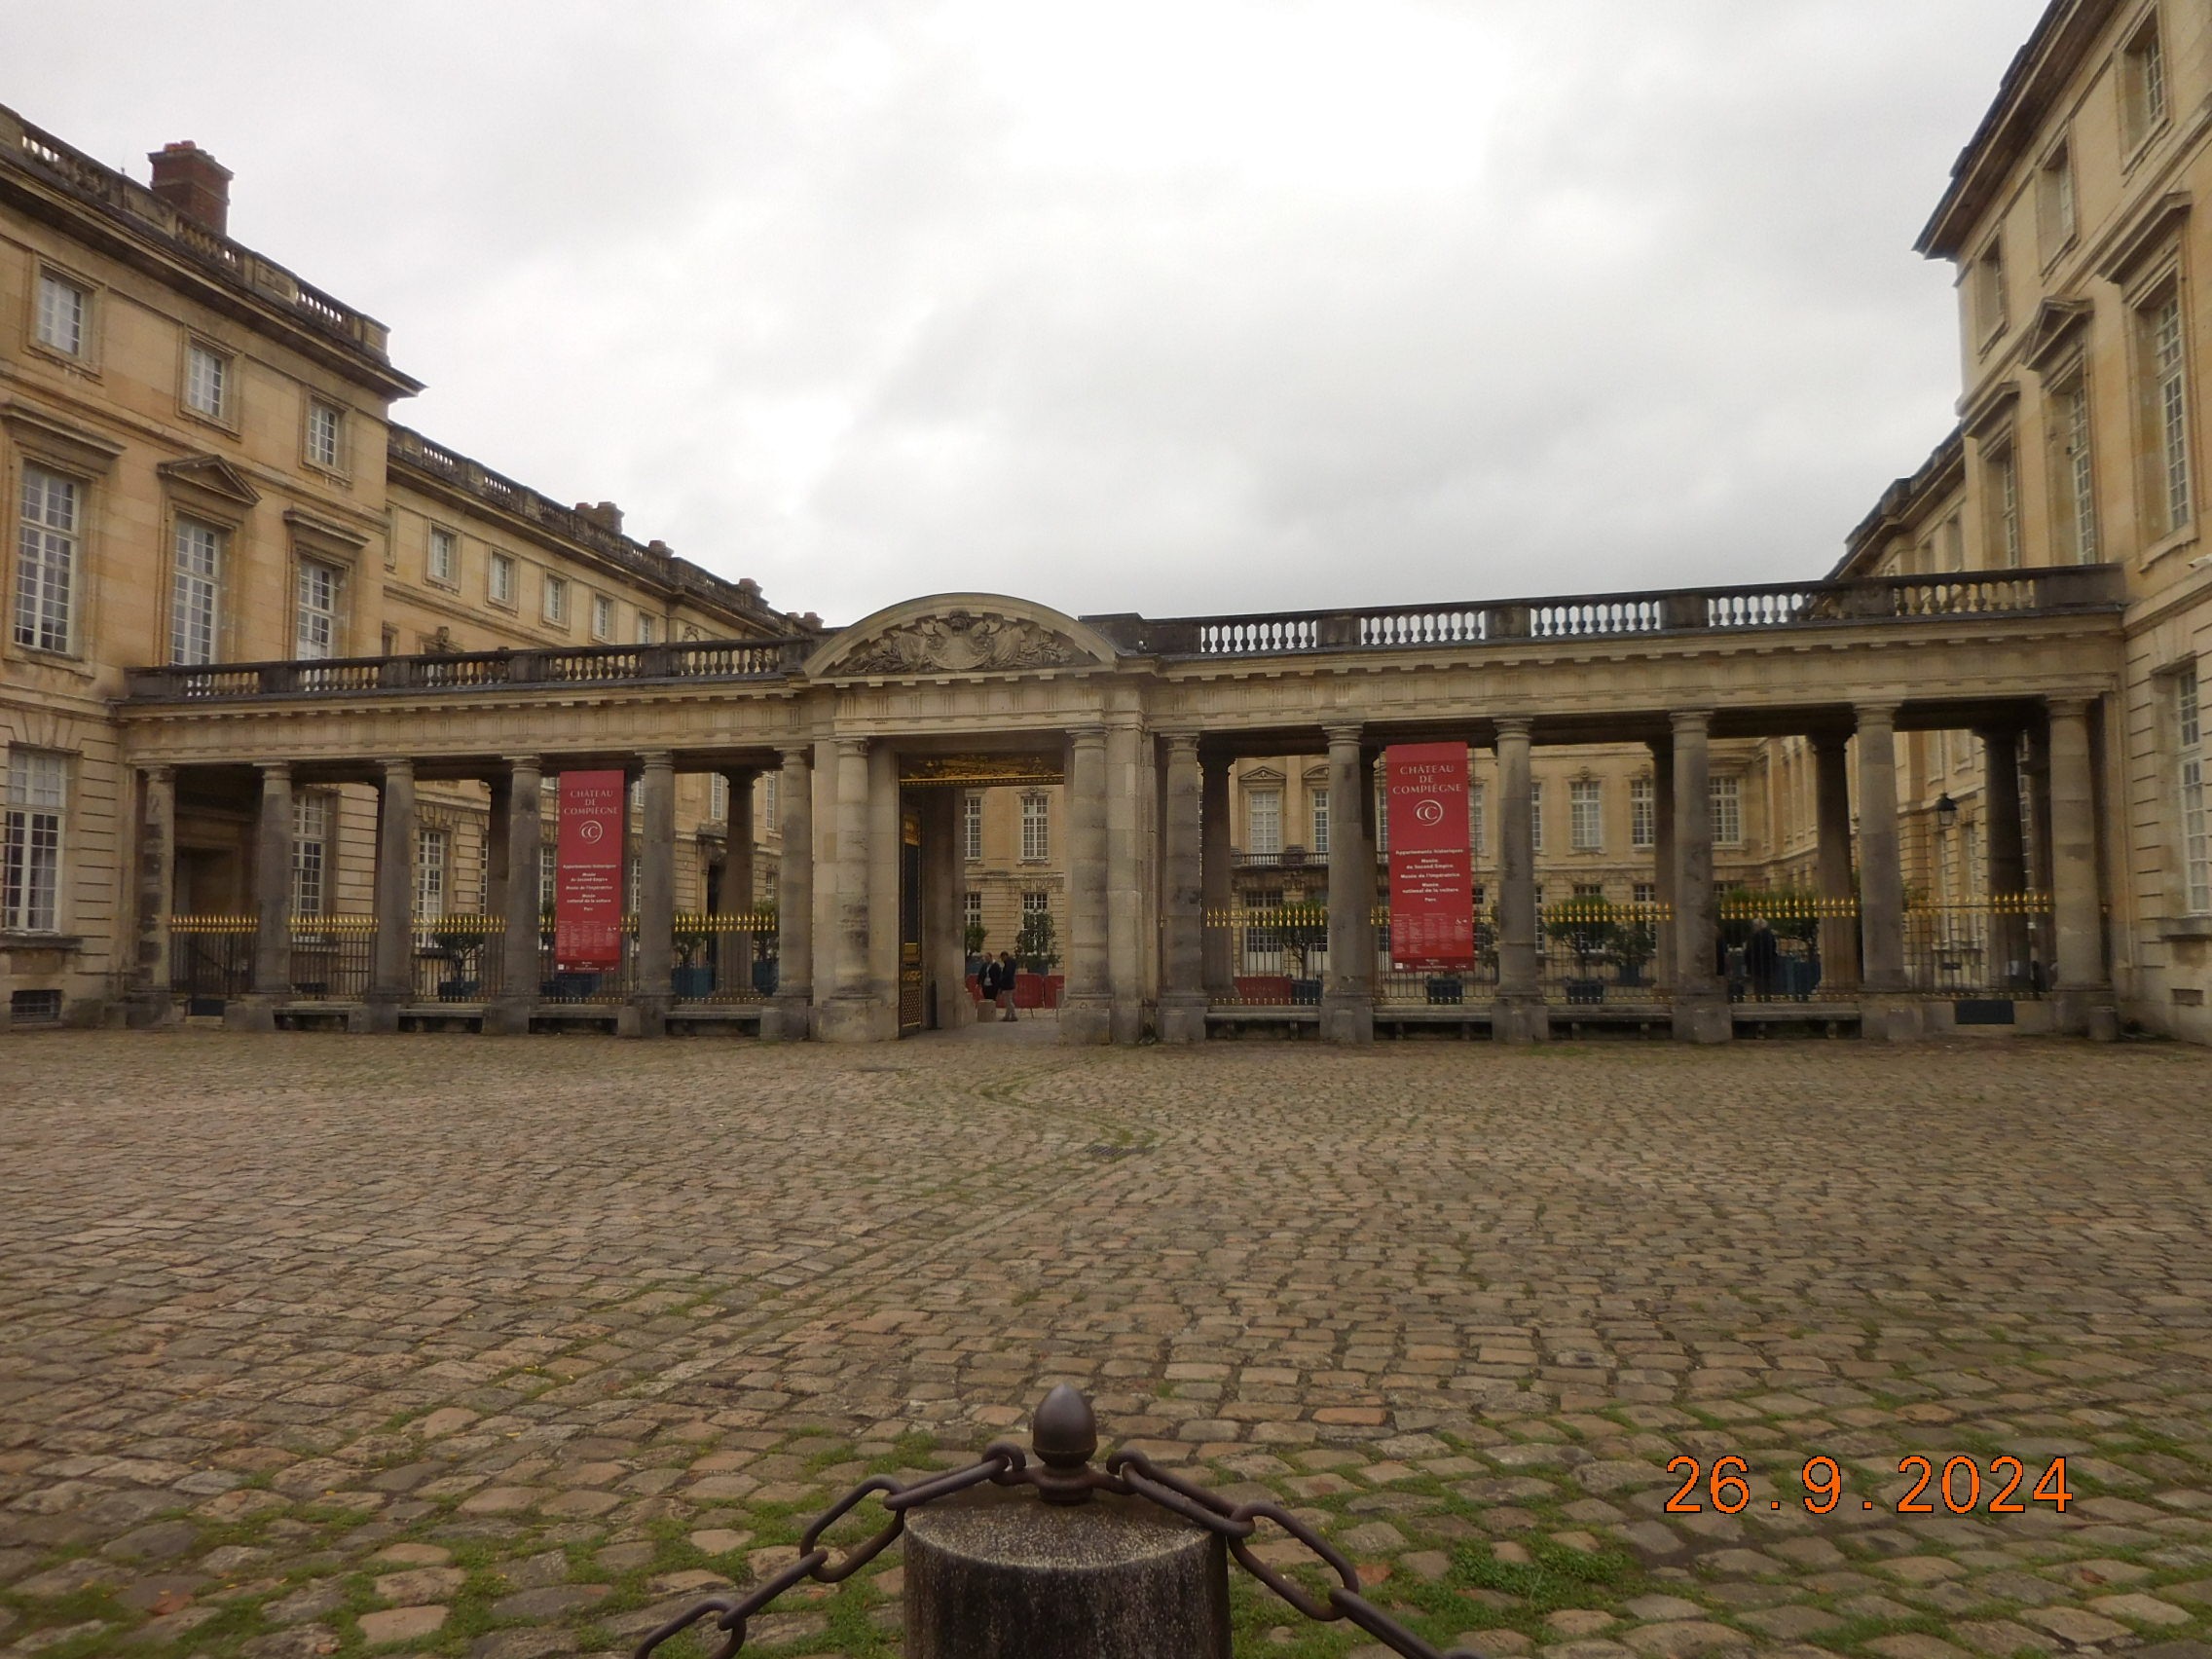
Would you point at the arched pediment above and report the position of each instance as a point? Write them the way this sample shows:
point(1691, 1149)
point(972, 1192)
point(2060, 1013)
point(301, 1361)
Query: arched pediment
point(960, 633)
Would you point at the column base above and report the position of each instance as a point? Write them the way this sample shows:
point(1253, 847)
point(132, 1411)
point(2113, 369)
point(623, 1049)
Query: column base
point(1087, 1021)
point(250, 1013)
point(1127, 1022)
point(1347, 1019)
point(1183, 1019)
point(787, 1019)
point(2086, 1014)
point(379, 1016)
point(1703, 1017)
point(1520, 1019)
point(149, 1011)
point(1890, 1019)
point(643, 1016)
point(504, 1019)
point(854, 1020)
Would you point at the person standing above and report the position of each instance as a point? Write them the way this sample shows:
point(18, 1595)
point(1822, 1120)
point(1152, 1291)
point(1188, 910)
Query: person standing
point(1762, 959)
point(1007, 974)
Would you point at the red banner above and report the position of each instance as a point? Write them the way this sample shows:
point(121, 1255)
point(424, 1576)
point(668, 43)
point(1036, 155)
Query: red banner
point(587, 878)
point(1432, 882)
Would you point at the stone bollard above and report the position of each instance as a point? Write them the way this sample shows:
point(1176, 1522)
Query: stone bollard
point(995, 1574)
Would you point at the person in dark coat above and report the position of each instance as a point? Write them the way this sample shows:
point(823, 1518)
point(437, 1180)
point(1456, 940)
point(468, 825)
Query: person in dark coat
point(1007, 972)
point(1762, 959)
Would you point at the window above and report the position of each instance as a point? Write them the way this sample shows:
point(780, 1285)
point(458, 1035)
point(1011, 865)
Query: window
point(2075, 491)
point(548, 866)
point(1536, 817)
point(315, 629)
point(972, 825)
point(1263, 816)
point(1643, 812)
point(30, 843)
point(1586, 817)
point(2143, 85)
point(717, 798)
point(310, 851)
point(387, 639)
point(771, 800)
point(1036, 905)
point(326, 425)
point(1263, 938)
point(970, 914)
point(601, 617)
point(64, 310)
point(1036, 830)
point(647, 633)
point(2195, 837)
point(1989, 291)
point(429, 873)
point(2054, 208)
point(2003, 496)
point(192, 592)
point(207, 380)
point(554, 601)
point(2169, 411)
point(499, 579)
point(442, 561)
point(1477, 811)
point(1727, 811)
point(1320, 815)
point(46, 561)
point(1646, 893)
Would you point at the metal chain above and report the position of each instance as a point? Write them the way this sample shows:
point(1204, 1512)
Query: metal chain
point(1128, 1473)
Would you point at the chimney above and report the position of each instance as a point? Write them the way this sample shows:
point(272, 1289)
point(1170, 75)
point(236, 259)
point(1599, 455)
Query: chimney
point(193, 182)
point(607, 515)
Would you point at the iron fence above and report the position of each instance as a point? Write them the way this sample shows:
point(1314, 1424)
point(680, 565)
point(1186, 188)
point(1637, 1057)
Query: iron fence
point(210, 960)
point(725, 958)
point(1767, 946)
point(588, 986)
point(1997, 946)
point(333, 958)
point(456, 959)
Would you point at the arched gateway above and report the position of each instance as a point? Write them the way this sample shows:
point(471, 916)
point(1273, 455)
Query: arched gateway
point(875, 731)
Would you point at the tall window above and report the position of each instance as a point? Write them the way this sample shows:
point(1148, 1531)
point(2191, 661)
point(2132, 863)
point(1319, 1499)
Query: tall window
point(208, 382)
point(1644, 893)
point(2077, 482)
point(46, 561)
point(972, 825)
point(1263, 811)
point(310, 851)
point(1727, 811)
point(2003, 476)
point(316, 625)
point(1586, 816)
point(971, 914)
point(324, 425)
point(1036, 905)
point(2195, 839)
point(1643, 812)
point(1320, 816)
point(601, 617)
point(2143, 84)
point(772, 801)
point(1989, 290)
point(192, 592)
point(2055, 214)
point(649, 630)
point(548, 867)
point(62, 311)
point(1478, 810)
point(2169, 395)
point(718, 797)
point(1036, 830)
point(553, 600)
point(31, 841)
point(443, 559)
point(499, 579)
point(430, 848)
point(1536, 817)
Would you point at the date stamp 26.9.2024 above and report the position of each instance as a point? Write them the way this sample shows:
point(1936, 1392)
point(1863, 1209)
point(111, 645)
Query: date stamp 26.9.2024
point(1960, 1485)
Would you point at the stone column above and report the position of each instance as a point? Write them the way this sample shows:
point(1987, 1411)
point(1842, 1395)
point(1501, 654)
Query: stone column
point(2035, 781)
point(525, 835)
point(1217, 881)
point(1088, 1015)
point(273, 904)
point(2005, 857)
point(733, 951)
point(848, 1014)
point(1128, 934)
point(1831, 792)
point(1662, 860)
point(650, 992)
point(792, 1018)
point(1347, 996)
point(500, 802)
point(1519, 1014)
point(944, 950)
point(1885, 1014)
point(392, 974)
point(150, 1003)
point(2082, 989)
point(1183, 994)
point(1699, 994)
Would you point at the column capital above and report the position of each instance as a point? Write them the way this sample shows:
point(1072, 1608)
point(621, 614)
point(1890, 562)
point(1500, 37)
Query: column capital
point(1512, 725)
point(1875, 713)
point(525, 762)
point(1090, 732)
point(799, 754)
point(657, 760)
point(277, 768)
point(1182, 744)
point(852, 748)
point(1829, 742)
point(1690, 719)
point(403, 767)
point(159, 774)
point(2069, 708)
point(1342, 731)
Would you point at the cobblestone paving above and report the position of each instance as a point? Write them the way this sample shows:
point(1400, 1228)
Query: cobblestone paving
point(507, 1348)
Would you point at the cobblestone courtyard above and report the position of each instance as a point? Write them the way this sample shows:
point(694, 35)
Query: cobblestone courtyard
point(457, 1345)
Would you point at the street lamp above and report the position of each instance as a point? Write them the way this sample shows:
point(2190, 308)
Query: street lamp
point(1946, 813)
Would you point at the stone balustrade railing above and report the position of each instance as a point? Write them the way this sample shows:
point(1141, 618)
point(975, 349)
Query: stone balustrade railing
point(1686, 611)
point(25, 145)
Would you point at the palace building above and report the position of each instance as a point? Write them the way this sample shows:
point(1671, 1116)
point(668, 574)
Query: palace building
point(287, 687)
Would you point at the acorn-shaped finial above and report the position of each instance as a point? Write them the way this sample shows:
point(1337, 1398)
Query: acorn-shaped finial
point(1065, 1431)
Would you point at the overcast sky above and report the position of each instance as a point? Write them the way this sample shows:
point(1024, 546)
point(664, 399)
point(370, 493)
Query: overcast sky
point(1169, 306)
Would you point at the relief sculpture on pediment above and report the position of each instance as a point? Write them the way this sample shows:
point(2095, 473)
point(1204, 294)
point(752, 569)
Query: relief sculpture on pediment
point(962, 642)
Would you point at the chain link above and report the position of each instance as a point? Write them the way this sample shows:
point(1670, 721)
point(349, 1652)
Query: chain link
point(1128, 1473)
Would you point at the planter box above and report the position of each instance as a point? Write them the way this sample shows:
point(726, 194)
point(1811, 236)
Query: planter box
point(456, 990)
point(1038, 990)
point(1586, 990)
point(690, 984)
point(766, 976)
point(1446, 990)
